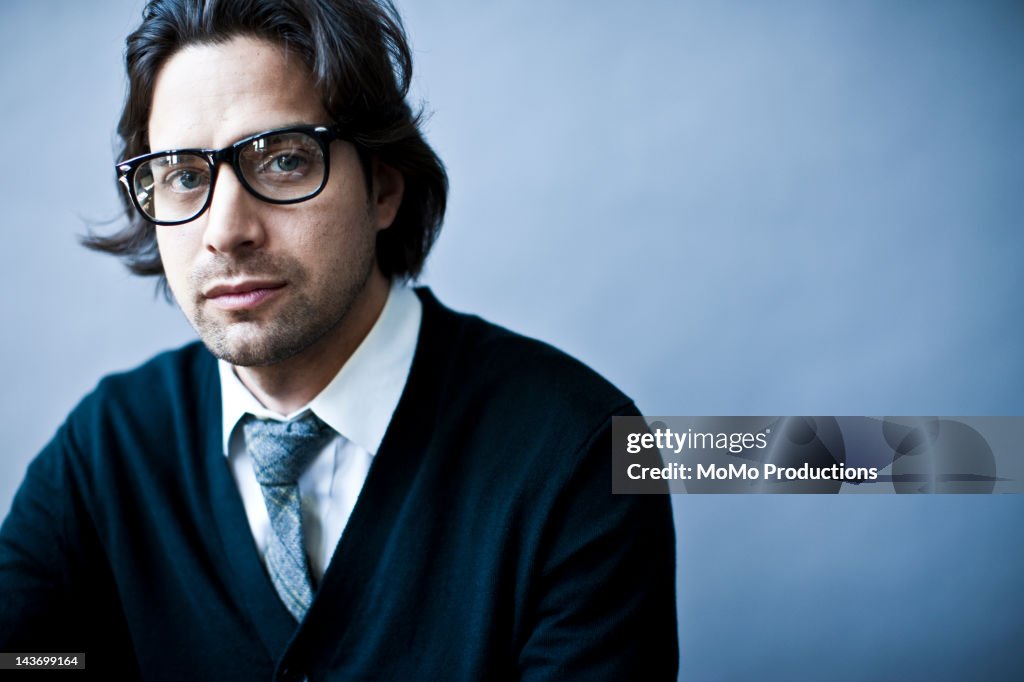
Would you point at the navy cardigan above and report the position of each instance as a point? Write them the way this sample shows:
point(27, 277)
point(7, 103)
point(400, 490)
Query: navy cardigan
point(485, 545)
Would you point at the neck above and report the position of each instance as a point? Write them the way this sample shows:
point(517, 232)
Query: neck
point(288, 385)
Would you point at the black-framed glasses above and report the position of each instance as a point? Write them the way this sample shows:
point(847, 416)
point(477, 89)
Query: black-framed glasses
point(283, 166)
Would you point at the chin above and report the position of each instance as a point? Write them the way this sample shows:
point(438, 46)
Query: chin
point(252, 352)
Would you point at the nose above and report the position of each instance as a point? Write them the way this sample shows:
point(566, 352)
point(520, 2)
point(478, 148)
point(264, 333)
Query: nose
point(233, 219)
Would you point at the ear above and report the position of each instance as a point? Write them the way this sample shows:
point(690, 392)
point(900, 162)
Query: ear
point(388, 189)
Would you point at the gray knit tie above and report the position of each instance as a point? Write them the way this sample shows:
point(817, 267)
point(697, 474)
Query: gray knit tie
point(280, 452)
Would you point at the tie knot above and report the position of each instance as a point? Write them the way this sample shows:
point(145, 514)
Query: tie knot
point(281, 451)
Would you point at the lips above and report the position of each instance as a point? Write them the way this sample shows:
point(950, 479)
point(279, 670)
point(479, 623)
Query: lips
point(243, 295)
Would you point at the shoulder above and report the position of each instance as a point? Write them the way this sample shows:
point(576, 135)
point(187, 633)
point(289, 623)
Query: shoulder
point(134, 430)
point(163, 375)
point(152, 393)
point(526, 380)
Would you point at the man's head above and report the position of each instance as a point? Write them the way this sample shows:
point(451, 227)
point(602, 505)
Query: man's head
point(263, 281)
point(360, 66)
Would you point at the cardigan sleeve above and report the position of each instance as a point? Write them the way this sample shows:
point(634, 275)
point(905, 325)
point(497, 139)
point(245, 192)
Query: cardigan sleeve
point(57, 593)
point(35, 578)
point(605, 606)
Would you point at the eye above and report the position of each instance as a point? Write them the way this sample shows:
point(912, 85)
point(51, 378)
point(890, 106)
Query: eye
point(282, 166)
point(287, 163)
point(179, 174)
point(186, 180)
point(293, 162)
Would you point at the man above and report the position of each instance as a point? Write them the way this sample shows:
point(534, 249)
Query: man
point(344, 480)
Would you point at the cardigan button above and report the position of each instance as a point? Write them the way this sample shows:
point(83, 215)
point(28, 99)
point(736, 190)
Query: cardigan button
point(291, 675)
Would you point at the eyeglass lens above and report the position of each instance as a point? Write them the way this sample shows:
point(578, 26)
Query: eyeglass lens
point(279, 167)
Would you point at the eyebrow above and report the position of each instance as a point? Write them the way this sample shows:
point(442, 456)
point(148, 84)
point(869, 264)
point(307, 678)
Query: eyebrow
point(281, 126)
point(289, 124)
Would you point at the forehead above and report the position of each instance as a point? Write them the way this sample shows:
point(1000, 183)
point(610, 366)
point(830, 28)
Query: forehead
point(211, 95)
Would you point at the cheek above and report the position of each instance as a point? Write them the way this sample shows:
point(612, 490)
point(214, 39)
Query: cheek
point(338, 232)
point(174, 248)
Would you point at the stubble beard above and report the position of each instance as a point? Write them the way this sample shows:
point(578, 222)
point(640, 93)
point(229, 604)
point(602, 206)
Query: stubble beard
point(255, 339)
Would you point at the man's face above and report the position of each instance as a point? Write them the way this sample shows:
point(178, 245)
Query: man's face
point(262, 282)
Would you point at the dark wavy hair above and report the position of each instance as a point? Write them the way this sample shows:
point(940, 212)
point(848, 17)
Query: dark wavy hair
point(360, 60)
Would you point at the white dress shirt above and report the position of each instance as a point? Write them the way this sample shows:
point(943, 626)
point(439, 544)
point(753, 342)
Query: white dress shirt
point(358, 404)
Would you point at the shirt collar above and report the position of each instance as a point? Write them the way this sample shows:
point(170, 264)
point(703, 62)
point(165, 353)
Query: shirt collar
point(361, 399)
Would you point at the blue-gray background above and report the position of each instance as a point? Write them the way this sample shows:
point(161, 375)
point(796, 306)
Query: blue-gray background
point(725, 207)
